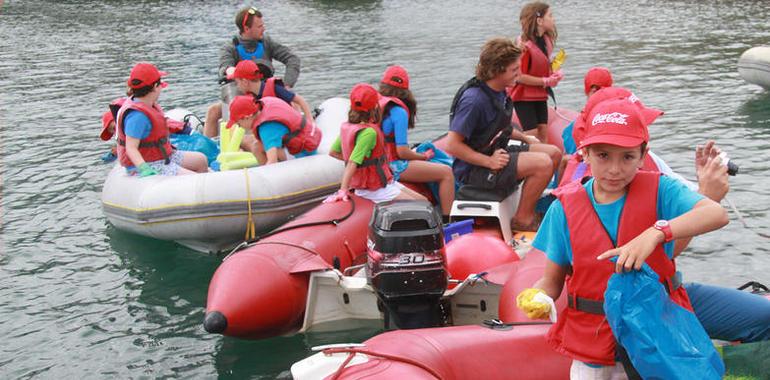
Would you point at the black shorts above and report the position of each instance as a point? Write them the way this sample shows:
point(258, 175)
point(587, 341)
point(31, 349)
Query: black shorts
point(531, 114)
point(504, 179)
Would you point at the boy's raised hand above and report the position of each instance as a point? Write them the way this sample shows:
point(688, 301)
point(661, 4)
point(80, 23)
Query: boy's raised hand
point(632, 255)
point(711, 172)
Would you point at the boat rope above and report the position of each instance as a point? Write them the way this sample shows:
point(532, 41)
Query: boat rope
point(249, 241)
point(352, 351)
point(288, 245)
point(250, 226)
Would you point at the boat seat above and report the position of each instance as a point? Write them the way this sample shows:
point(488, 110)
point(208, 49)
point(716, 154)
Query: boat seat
point(472, 201)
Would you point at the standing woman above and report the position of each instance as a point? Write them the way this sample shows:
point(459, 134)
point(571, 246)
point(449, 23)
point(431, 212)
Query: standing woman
point(143, 135)
point(399, 108)
point(530, 95)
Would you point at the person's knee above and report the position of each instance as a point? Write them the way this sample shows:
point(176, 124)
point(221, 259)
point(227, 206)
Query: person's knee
point(543, 163)
point(446, 173)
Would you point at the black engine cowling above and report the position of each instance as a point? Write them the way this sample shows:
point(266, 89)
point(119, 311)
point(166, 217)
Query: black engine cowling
point(406, 263)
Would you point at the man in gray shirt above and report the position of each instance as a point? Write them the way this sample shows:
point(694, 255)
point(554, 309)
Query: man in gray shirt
point(251, 43)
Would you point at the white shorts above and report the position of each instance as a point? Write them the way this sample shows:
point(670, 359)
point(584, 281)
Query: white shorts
point(175, 162)
point(387, 193)
point(582, 371)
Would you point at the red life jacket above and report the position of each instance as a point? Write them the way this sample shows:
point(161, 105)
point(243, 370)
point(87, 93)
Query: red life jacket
point(582, 331)
point(301, 136)
point(537, 64)
point(386, 102)
point(269, 87)
point(577, 169)
point(156, 146)
point(374, 172)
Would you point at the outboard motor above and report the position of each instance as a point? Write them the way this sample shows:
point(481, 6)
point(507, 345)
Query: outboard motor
point(406, 263)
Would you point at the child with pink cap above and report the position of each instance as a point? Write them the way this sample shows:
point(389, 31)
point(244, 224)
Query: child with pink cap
point(621, 212)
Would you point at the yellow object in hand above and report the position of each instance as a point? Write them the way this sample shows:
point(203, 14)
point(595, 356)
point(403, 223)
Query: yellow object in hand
point(561, 56)
point(534, 309)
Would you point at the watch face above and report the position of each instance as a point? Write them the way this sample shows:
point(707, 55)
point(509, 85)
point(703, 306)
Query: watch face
point(661, 223)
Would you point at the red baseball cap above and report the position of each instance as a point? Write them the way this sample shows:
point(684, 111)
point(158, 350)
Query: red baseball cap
point(649, 114)
point(242, 106)
point(597, 76)
point(145, 74)
point(363, 97)
point(396, 76)
point(616, 122)
point(246, 69)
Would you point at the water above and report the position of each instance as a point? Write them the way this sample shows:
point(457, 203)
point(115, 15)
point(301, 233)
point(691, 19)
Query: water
point(81, 299)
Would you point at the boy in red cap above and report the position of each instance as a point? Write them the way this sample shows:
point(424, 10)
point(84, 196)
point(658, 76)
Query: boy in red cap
point(143, 132)
point(621, 212)
point(251, 44)
point(399, 109)
point(275, 126)
point(361, 145)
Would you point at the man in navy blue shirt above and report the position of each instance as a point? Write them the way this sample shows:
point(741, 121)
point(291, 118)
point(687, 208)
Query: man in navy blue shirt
point(480, 128)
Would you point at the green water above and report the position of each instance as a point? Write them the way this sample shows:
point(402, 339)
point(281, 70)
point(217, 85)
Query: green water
point(81, 299)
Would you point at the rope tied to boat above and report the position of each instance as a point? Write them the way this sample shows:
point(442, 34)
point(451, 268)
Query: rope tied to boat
point(249, 241)
point(251, 228)
point(352, 351)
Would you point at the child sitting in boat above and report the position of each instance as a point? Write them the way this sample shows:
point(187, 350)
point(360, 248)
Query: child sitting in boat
point(623, 212)
point(250, 80)
point(276, 125)
point(144, 147)
point(361, 145)
point(399, 108)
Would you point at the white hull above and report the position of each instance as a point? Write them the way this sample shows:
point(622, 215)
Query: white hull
point(209, 212)
point(754, 66)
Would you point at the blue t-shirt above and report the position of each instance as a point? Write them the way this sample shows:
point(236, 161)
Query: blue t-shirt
point(271, 133)
point(473, 113)
point(280, 92)
point(674, 199)
point(566, 135)
point(136, 124)
point(397, 120)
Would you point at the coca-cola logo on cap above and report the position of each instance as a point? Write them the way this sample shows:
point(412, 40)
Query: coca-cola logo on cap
point(615, 117)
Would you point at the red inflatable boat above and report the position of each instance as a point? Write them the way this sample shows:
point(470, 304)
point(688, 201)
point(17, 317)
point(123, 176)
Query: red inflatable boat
point(261, 291)
point(510, 351)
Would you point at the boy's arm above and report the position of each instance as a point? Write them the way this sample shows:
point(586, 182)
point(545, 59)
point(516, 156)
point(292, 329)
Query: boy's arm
point(712, 181)
point(457, 147)
point(304, 107)
point(552, 281)
point(705, 216)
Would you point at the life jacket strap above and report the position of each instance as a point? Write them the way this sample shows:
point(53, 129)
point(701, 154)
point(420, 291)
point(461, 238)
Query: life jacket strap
point(378, 163)
point(159, 143)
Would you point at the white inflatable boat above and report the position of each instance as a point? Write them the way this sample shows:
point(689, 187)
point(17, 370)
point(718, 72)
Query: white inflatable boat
point(754, 66)
point(209, 212)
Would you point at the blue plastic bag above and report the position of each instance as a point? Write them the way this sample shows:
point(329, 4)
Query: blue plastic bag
point(440, 157)
point(197, 142)
point(663, 339)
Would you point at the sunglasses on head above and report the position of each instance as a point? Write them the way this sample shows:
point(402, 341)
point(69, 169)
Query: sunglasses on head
point(251, 11)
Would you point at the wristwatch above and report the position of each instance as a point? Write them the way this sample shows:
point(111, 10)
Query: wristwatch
point(665, 227)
